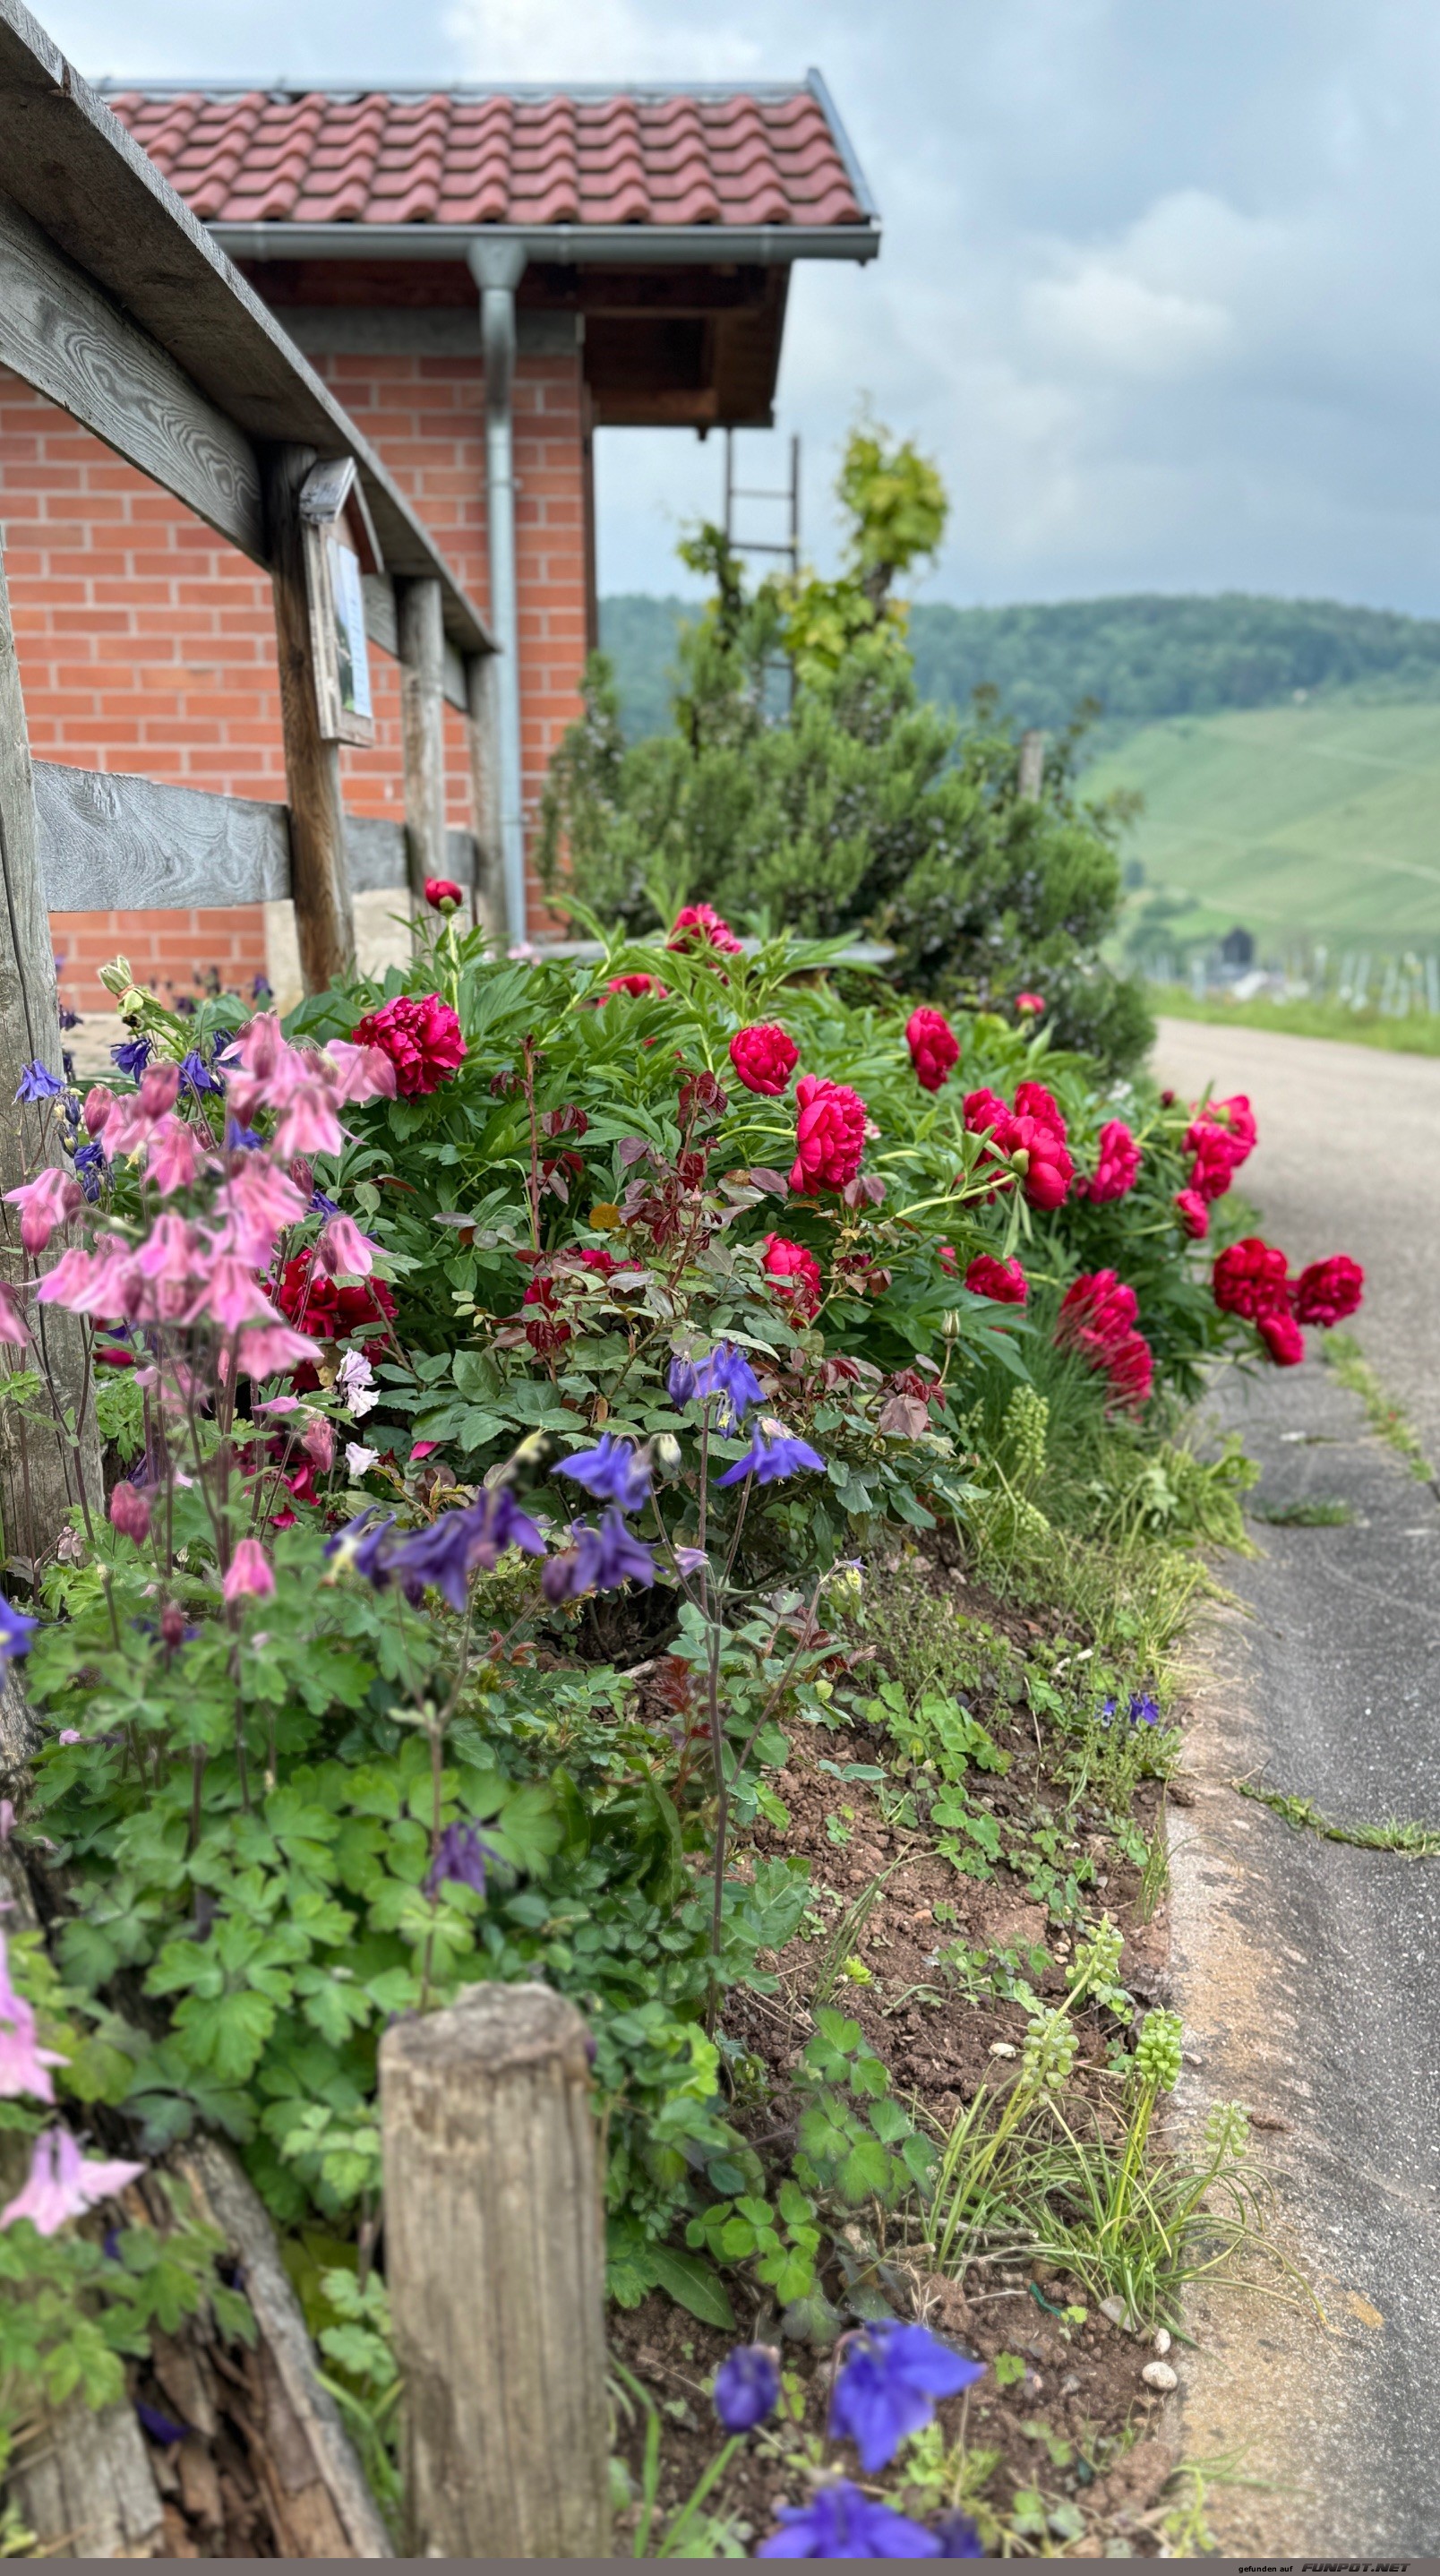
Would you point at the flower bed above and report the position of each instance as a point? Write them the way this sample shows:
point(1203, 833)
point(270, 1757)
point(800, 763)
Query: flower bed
point(515, 1389)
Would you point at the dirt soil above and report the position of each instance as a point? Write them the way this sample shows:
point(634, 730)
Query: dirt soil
point(1082, 2384)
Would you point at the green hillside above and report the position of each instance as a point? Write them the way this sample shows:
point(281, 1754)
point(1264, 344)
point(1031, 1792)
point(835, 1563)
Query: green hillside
point(1321, 819)
point(1141, 657)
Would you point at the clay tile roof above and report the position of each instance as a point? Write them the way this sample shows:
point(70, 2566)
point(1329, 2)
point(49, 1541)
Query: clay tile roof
point(719, 157)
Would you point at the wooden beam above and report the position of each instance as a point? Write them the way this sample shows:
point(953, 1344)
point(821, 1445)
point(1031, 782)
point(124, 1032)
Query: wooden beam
point(60, 334)
point(43, 1474)
point(324, 922)
point(482, 735)
point(422, 725)
point(494, 2267)
point(382, 627)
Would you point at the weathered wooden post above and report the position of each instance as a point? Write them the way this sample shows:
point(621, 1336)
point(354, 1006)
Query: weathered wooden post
point(43, 1473)
point(319, 874)
point(1032, 768)
point(421, 633)
point(481, 728)
point(493, 2260)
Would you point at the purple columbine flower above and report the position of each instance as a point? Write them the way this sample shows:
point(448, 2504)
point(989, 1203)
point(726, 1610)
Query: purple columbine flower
point(132, 1056)
point(241, 1139)
point(725, 1372)
point(362, 1544)
point(958, 2537)
point(448, 1552)
point(321, 1206)
point(89, 1161)
point(197, 1075)
point(37, 1082)
point(260, 990)
point(598, 1560)
point(888, 2384)
point(1144, 1709)
point(158, 2426)
point(68, 1019)
point(612, 1473)
point(840, 2522)
point(16, 1632)
point(747, 2385)
point(768, 1461)
point(461, 1854)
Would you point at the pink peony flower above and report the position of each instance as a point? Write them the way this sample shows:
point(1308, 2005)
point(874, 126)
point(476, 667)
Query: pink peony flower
point(1117, 1166)
point(63, 2184)
point(934, 1048)
point(1100, 1304)
point(697, 924)
point(637, 986)
point(24, 2068)
point(1238, 1118)
point(129, 1511)
point(829, 1135)
point(443, 894)
point(1004, 1281)
point(1327, 1291)
point(764, 1057)
point(422, 1040)
point(248, 1573)
point(1193, 1213)
point(1042, 1159)
point(1215, 1162)
point(1032, 1100)
point(984, 1112)
point(1249, 1279)
point(1029, 1005)
point(795, 1274)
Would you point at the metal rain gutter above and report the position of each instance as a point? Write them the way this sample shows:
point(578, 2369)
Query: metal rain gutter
point(568, 245)
point(497, 268)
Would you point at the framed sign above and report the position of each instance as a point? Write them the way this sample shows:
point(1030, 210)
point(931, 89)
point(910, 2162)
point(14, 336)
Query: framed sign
point(340, 546)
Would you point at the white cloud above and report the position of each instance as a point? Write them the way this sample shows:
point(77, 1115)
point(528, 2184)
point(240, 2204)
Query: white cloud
point(552, 40)
point(1104, 316)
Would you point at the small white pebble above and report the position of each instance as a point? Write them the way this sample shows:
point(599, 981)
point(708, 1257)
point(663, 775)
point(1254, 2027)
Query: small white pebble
point(1162, 2340)
point(1158, 2374)
point(1114, 2309)
point(1002, 2048)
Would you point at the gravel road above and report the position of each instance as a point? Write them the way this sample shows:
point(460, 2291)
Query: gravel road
point(1306, 1970)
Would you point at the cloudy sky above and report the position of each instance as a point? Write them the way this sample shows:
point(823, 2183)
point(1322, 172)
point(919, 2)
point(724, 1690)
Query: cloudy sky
point(1160, 285)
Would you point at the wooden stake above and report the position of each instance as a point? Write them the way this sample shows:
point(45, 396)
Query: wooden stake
point(319, 878)
point(485, 791)
point(421, 627)
point(42, 1471)
point(1032, 768)
point(493, 2260)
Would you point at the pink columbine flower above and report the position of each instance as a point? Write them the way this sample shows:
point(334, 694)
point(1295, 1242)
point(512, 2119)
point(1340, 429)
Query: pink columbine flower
point(13, 1327)
point(98, 1105)
point(344, 1251)
point(24, 2068)
point(129, 1511)
point(173, 1155)
point(63, 2184)
point(51, 1199)
point(249, 1572)
point(232, 1296)
point(274, 1347)
point(308, 1124)
point(159, 1089)
point(256, 1204)
point(363, 1072)
point(318, 1442)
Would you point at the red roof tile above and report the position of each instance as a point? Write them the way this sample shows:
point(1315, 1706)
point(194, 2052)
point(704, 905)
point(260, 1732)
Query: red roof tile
point(633, 157)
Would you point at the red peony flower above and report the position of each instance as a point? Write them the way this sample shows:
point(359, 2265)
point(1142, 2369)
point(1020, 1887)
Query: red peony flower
point(422, 1040)
point(1213, 1169)
point(829, 1135)
point(1282, 1338)
point(637, 986)
point(934, 1048)
point(1130, 1368)
point(1327, 1291)
point(1194, 1214)
point(1032, 1100)
point(1097, 1305)
point(764, 1057)
point(1029, 1005)
point(1249, 1279)
point(699, 924)
point(1042, 1159)
point(1237, 1117)
point(1004, 1281)
point(443, 894)
point(315, 1303)
point(795, 1273)
point(1118, 1163)
point(984, 1111)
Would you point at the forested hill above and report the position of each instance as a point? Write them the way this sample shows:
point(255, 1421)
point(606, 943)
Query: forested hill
point(1143, 657)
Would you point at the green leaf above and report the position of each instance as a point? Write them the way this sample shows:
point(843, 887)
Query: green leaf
point(226, 2034)
point(866, 2173)
point(694, 2285)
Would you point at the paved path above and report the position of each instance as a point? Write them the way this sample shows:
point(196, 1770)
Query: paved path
point(1308, 1972)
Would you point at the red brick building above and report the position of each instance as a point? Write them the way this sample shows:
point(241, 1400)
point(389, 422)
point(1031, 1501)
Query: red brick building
point(483, 279)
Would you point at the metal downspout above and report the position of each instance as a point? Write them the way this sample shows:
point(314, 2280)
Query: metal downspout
point(497, 268)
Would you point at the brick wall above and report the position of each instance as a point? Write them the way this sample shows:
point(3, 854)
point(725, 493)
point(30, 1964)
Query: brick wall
point(147, 644)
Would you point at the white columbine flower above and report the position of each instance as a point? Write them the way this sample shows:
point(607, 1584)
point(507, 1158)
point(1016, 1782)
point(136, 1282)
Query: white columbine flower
point(358, 1458)
point(355, 1384)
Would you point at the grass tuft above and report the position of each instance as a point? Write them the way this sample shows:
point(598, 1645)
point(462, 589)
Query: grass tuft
point(1418, 1842)
point(1319, 1514)
point(1342, 1353)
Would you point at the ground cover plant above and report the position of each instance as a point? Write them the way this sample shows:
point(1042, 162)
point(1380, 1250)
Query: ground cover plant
point(655, 1473)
